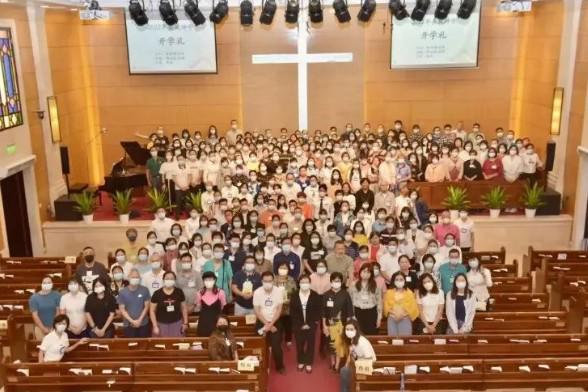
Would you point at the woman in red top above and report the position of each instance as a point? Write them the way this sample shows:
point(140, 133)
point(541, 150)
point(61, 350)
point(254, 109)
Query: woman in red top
point(492, 167)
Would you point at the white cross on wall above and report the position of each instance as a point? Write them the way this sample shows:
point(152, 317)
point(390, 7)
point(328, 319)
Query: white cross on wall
point(302, 58)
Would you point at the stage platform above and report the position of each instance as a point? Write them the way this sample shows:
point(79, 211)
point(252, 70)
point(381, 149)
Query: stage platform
point(515, 233)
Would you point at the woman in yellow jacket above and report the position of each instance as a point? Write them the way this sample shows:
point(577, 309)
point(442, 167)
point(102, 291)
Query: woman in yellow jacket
point(400, 307)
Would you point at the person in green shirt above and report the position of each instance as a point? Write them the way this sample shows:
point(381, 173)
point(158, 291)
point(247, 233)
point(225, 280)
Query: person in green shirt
point(153, 165)
point(448, 271)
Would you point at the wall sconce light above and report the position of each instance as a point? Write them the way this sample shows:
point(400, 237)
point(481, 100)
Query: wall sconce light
point(54, 119)
point(556, 111)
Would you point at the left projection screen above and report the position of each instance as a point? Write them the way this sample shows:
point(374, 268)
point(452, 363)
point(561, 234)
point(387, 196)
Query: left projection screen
point(184, 48)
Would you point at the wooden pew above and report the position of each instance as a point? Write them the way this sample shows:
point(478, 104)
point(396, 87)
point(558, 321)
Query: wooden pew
point(511, 285)
point(56, 264)
point(503, 270)
point(488, 257)
point(532, 260)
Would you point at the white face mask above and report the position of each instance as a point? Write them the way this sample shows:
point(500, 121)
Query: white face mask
point(187, 266)
point(155, 265)
point(429, 265)
point(460, 285)
point(218, 255)
point(364, 255)
point(305, 286)
point(428, 286)
point(282, 272)
point(152, 241)
point(336, 285)
point(321, 270)
point(350, 333)
point(135, 281)
point(474, 264)
point(449, 242)
point(118, 276)
point(433, 250)
point(268, 285)
point(73, 287)
point(454, 261)
point(169, 283)
point(376, 272)
point(120, 259)
point(60, 328)
point(399, 284)
point(46, 286)
point(209, 283)
point(99, 289)
point(315, 241)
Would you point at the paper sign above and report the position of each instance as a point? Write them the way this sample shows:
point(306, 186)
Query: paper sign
point(410, 369)
point(133, 344)
point(525, 369)
point(397, 342)
point(439, 341)
point(245, 366)
point(182, 346)
point(544, 367)
point(382, 342)
point(162, 346)
point(24, 372)
point(562, 256)
point(497, 369)
point(126, 370)
point(425, 369)
point(70, 259)
point(364, 367)
point(106, 371)
point(250, 319)
point(3, 324)
point(240, 344)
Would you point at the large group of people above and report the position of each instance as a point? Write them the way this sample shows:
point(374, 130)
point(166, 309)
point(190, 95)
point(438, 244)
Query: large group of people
point(304, 233)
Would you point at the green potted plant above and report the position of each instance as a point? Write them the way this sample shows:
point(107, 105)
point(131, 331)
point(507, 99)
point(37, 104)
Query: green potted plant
point(457, 199)
point(158, 200)
point(194, 201)
point(495, 200)
point(532, 199)
point(122, 202)
point(85, 204)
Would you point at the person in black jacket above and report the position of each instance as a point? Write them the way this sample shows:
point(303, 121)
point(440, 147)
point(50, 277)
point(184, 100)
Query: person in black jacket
point(305, 312)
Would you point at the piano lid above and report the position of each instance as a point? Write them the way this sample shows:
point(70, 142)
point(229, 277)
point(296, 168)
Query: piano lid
point(136, 153)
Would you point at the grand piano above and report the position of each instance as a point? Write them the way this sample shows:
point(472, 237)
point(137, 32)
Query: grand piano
point(129, 171)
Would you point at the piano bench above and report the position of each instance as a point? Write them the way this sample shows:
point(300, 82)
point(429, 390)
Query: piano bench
point(77, 188)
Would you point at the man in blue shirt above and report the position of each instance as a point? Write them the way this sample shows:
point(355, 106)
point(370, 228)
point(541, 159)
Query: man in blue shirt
point(288, 256)
point(133, 303)
point(244, 283)
point(448, 271)
point(44, 306)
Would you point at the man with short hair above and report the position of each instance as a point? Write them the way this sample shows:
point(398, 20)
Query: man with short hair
point(133, 304)
point(338, 261)
point(90, 270)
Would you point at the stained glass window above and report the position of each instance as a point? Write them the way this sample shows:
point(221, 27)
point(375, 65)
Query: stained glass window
point(10, 105)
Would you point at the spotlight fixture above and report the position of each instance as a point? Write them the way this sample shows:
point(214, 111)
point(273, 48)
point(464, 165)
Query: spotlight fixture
point(168, 13)
point(315, 11)
point(398, 9)
point(268, 10)
point(193, 12)
point(420, 10)
point(246, 13)
point(137, 12)
point(443, 8)
point(219, 12)
point(466, 8)
point(367, 10)
point(341, 11)
point(292, 11)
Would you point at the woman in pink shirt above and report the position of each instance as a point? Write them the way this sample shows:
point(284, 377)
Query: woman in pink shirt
point(210, 300)
point(454, 166)
point(320, 281)
point(492, 167)
point(436, 171)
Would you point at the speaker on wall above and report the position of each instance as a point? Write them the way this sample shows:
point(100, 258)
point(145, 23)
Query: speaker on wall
point(64, 159)
point(550, 156)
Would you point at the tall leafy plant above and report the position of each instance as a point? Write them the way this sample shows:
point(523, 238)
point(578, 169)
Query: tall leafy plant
point(122, 202)
point(194, 200)
point(158, 199)
point(85, 202)
point(532, 196)
point(457, 198)
point(496, 198)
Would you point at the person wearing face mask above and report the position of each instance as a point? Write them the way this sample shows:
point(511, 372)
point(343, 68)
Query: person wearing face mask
point(153, 168)
point(340, 261)
point(222, 345)
point(408, 271)
point(161, 225)
point(167, 169)
point(188, 279)
point(182, 180)
point(100, 310)
point(445, 227)
point(449, 270)
point(44, 306)
point(479, 280)
point(472, 168)
point(531, 164)
point(192, 224)
point(364, 195)
point(153, 279)
point(454, 166)
point(512, 164)
point(131, 246)
point(400, 306)
point(153, 246)
point(320, 280)
point(460, 307)
point(428, 264)
point(358, 347)
point(205, 254)
point(209, 301)
point(431, 303)
point(222, 269)
point(492, 167)
point(436, 171)
point(245, 282)
point(388, 258)
point(305, 313)
point(119, 280)
point(343, 219)
point(90, 270)
point(288, 284)
point(133, 305)
point(143, 265)
point(416, 237)
point(448, 244)
point(72, 304)
point(120, 260)
point(367, 301)
point(267, 302)
point(235, 253)
point(168, 311)
point(171, 253)
point(384, 199)
point(56, 343)
point(291, 259)
point(337, 309)
point(465, 224)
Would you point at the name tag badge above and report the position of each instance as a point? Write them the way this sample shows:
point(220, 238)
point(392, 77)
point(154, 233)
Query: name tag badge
point(408, 279)
point(269, 302)
point(247, 287)
point(170, 308)
point(231, 258)
point(155, 285)
point(253, 231)
point(330, 303)
point(292, 266)
point(493, 167)
point(228, 342)
point(191, 284)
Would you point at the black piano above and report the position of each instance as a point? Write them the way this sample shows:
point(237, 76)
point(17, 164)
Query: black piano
point(129, 171)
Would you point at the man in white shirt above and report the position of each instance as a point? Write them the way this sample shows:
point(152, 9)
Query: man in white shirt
point(290, 189)
point(465, 224)
point(153, 279)
point(161, 225)
point(384, 198)
point(388, 259)
point(267, 302)
point(323, 202)
point(181, 178)
point(73, 305)
point(531, 162)
point(228, 191)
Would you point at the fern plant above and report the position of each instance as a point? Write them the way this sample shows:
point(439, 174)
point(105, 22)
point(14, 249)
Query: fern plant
point(158, 200)
point(496, 198)
point(532, 196)
point(122, 202)
point(194, 200)
point(85, 202)
point(457, 198)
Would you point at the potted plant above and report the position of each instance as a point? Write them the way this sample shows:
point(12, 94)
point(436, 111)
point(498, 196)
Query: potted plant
point(457, 199)
point(122, 202)
point(532, 199)
point(158, 200)
point(85, 204)
point(194, 201)
point(495, 200)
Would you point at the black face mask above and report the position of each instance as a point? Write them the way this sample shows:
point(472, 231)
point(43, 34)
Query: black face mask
point(89, 258)
point(132, 238)
point(223, 328)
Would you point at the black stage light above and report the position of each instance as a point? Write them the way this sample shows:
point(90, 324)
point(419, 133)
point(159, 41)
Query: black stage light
point(168, 13)
point(137, 12)
point(220, 10)
point(466, 8)
point(443, 8)
point(292, 11)
point(398, 9)
point(315, 11)
point(367, 10)
point(193, 12)
point(420, 10)
point(246, 13)
point(341, 11)
point(268, 10)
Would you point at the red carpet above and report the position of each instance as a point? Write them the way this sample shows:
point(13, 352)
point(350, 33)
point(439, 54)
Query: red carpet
point(106, 212)
point(321, 378)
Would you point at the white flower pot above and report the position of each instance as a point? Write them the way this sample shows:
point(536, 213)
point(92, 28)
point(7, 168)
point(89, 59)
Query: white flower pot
point(454, 214)
point(88, 218)
point(530, 212)
point(124, 218)
point(494, 213)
